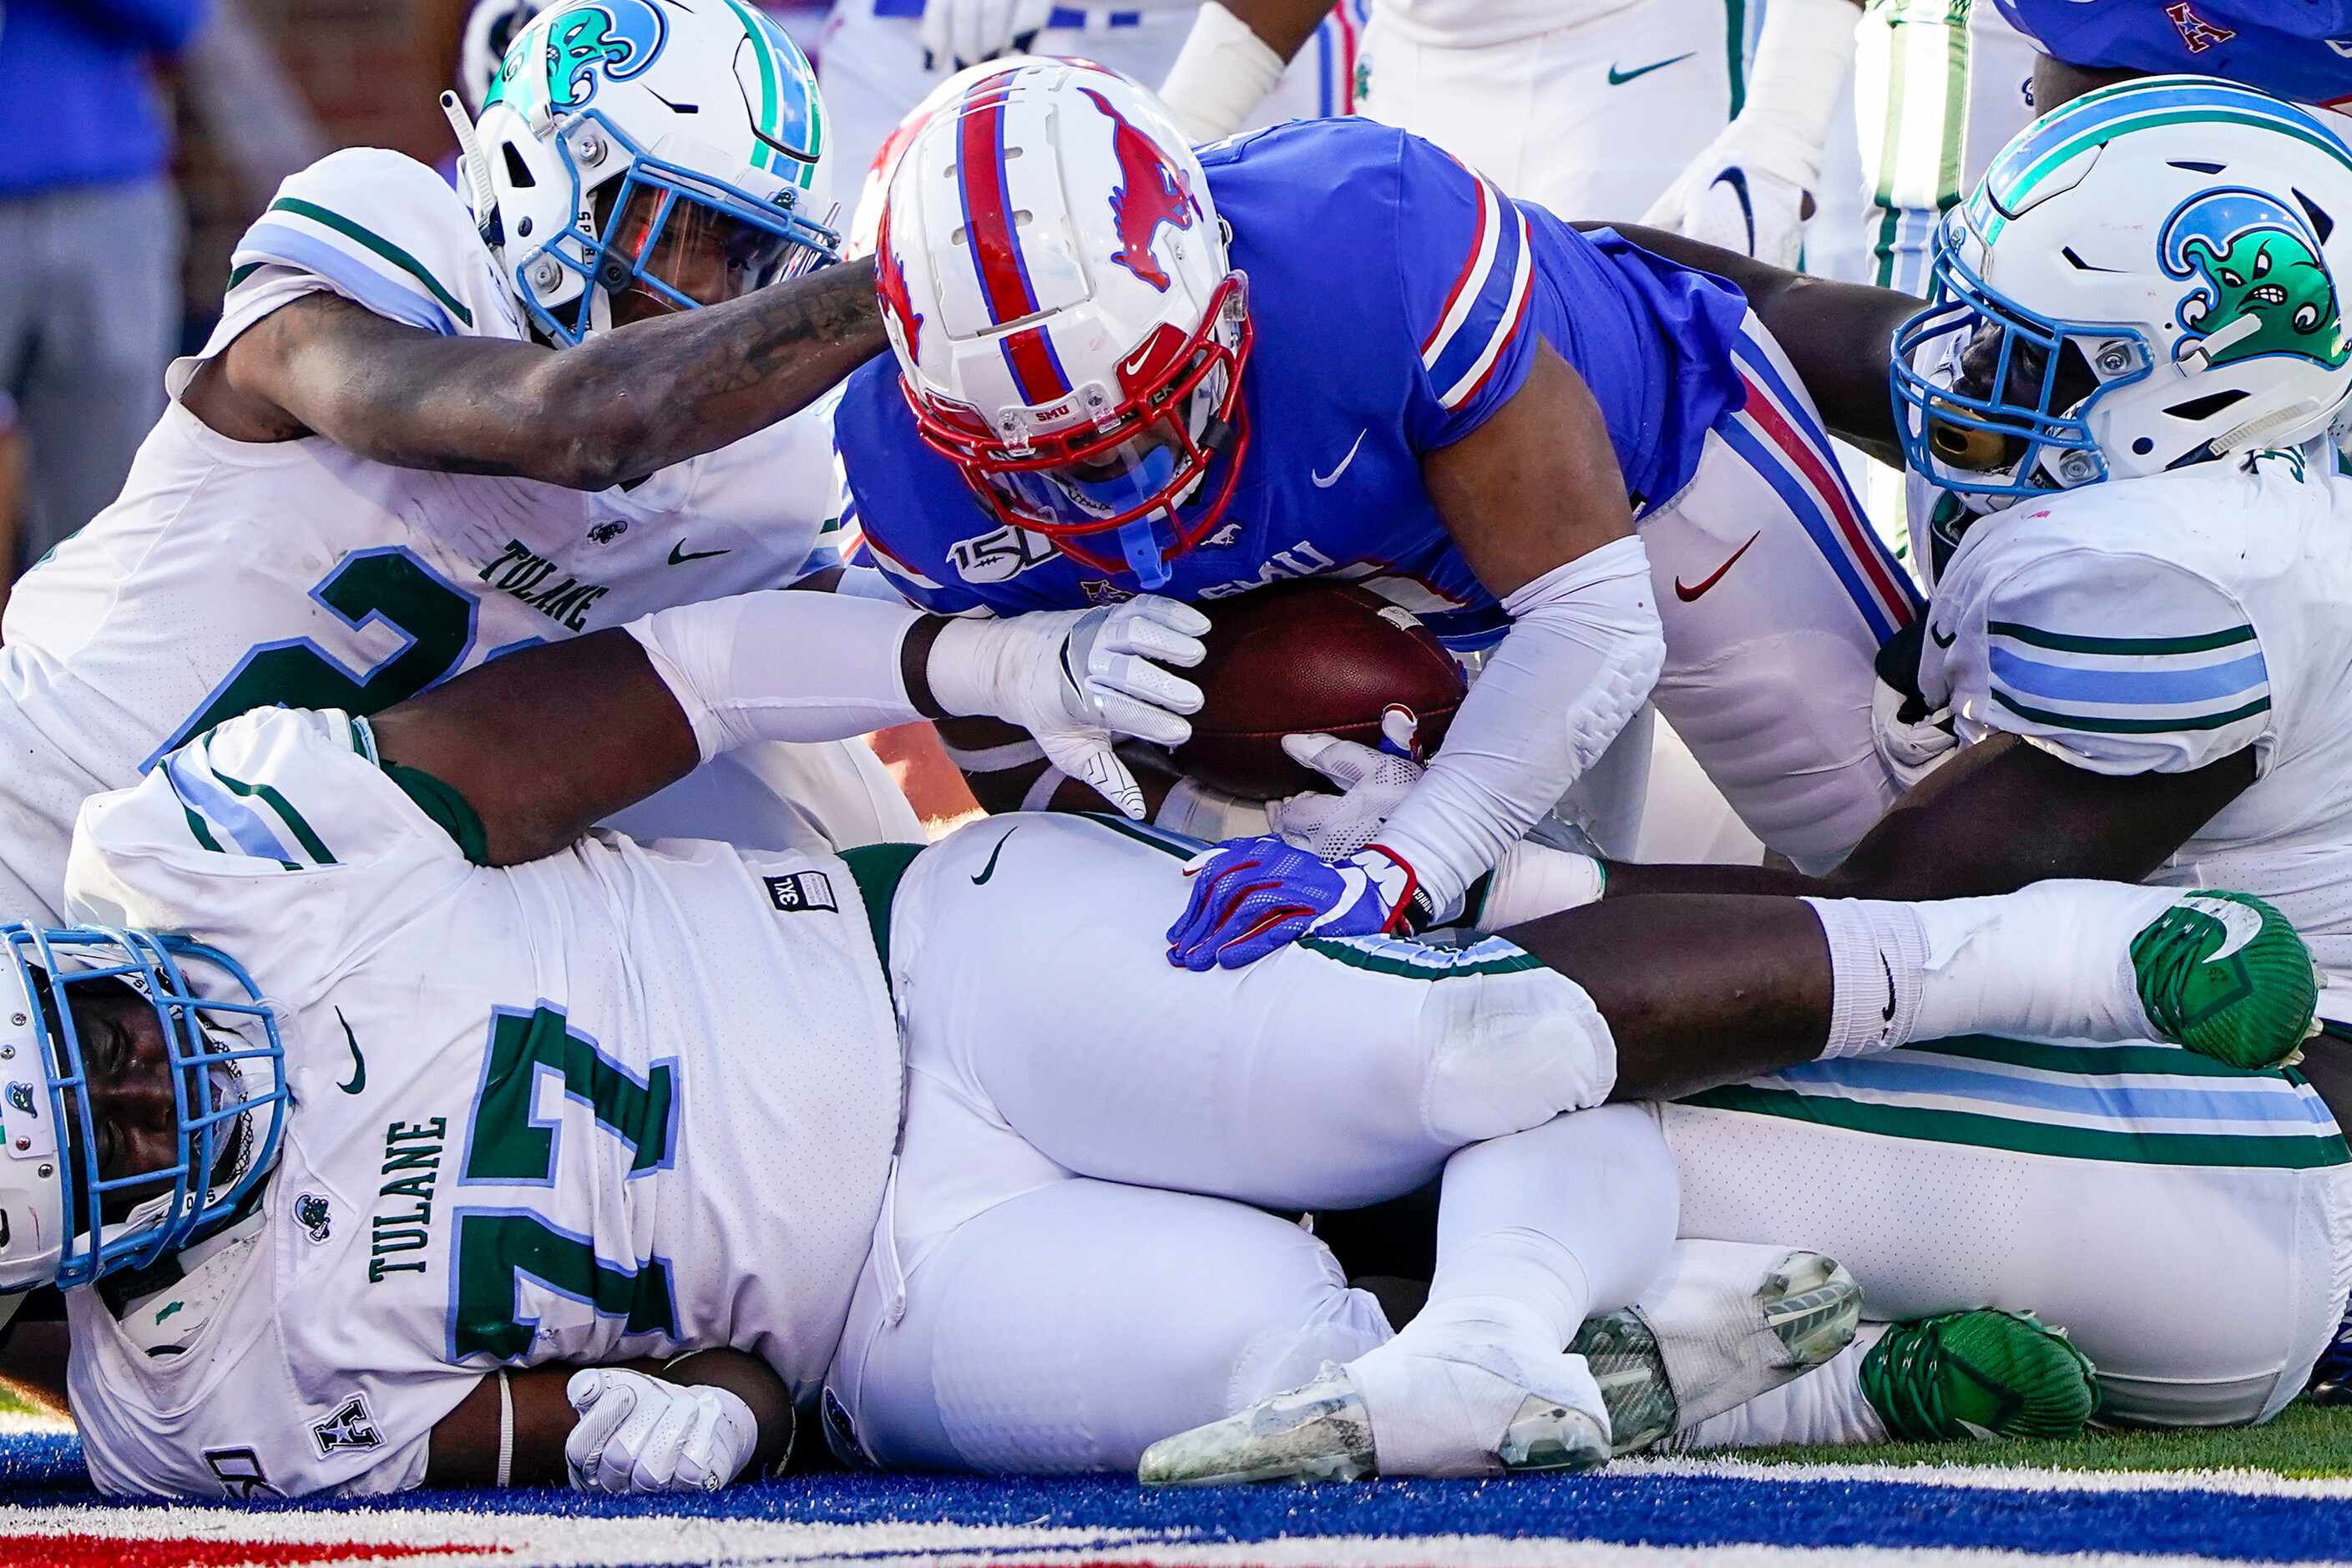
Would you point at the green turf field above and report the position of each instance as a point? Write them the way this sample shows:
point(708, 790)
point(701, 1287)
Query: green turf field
point(2305, 1441)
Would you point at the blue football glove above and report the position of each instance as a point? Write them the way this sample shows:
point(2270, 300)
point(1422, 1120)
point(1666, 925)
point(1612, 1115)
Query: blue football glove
point(1250, 896)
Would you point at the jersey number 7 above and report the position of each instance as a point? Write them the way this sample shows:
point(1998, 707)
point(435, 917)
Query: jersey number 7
point(496, 1248)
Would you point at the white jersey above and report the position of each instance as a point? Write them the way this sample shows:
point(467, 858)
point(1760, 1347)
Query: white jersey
point(231, 574)
point(622, 1101)
point(2157, 625)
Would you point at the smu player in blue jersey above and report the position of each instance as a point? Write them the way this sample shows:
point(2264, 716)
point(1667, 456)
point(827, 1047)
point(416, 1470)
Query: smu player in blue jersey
point(2296, 50)
point(1391, 372)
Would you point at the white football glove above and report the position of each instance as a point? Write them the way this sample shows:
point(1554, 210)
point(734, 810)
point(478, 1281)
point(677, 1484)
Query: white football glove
point(1744, 197)
point(1751, 189)
point(1374, 781)
point(637, 1435)
point(1910, 749)
point(1076, 679)
point(959, 33)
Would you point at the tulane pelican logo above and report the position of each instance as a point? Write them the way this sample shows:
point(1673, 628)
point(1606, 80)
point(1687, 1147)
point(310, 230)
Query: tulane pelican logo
point(579, 46)
point(2260, 288)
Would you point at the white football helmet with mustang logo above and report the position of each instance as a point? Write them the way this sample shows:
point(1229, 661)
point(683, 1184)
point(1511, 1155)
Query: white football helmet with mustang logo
point(1054, 280)
point(2150, 276)
point(634, 157)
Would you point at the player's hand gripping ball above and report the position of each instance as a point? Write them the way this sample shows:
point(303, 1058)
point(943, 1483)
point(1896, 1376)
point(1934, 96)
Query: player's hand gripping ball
point(1308, 659)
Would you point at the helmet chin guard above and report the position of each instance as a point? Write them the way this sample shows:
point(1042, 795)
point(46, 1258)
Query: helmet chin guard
point(226, 1063)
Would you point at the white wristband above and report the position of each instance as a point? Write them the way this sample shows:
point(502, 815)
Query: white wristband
point(1220, 75)
point(505, 1430)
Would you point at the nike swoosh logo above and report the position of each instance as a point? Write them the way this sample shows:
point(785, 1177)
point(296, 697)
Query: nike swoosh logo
point(1737, 178)
point(2239, 925)
point(990, 869)
point(1938, 638)
point(1686, 592)
point(1620, 77)
point(1324, 481)
point(359, 1062)
point(679, 555)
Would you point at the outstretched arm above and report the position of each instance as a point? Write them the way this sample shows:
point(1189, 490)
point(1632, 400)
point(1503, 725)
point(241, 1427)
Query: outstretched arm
point(2001, 814)
point(621, 405)
point(664, 694)
point(1838, 335)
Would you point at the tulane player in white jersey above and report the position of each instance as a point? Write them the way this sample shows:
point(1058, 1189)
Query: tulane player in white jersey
point(424, 435)
point(2122, 386)
point(590, 1143)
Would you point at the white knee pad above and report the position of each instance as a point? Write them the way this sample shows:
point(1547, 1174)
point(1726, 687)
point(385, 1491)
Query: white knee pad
point(1513, 1050)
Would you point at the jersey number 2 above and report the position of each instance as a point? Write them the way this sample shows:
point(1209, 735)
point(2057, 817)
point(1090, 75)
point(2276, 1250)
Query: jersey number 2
point(388, 584)
point(497, 1248)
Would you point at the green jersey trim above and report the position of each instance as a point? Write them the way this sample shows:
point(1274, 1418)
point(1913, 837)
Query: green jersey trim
point(450, 811)
point(2129, 647)
point(2164, 725)
point(2291, 1152)
point(375, 242)
point(877, 869)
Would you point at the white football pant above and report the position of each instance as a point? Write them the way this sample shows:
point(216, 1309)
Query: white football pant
point(2189, 1227)
point(1061, 1276)
point(1593, 120)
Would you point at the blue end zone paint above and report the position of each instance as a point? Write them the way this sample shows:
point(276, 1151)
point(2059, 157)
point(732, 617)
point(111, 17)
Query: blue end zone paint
point(1655, 1510)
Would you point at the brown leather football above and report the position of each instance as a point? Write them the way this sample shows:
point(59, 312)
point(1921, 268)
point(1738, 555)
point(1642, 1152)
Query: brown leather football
point(1303, 656)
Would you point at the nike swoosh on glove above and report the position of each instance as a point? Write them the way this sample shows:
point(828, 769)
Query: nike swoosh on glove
point(1250, 896)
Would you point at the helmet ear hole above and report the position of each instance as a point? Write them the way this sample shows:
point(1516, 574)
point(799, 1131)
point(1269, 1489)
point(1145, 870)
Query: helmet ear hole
point(2196, 410)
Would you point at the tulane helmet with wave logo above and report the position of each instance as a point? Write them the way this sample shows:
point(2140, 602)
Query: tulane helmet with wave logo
point(2150, 276)
point(634, 156)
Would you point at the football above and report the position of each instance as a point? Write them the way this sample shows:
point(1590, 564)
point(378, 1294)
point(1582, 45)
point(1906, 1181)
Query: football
point(1303, 656)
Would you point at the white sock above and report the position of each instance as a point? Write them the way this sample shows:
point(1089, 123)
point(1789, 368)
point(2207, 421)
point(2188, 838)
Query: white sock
point(2050, 961)
point(1826, 1405)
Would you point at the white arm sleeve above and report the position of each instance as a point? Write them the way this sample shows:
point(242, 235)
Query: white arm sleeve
point(1584, 648)
point(780, 665)
point(1222, 71)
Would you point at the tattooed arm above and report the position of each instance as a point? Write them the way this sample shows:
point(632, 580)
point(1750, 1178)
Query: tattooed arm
point(621, 405)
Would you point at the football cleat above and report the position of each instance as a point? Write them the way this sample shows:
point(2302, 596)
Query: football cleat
point(1706, 1344)
point(1323, 1432)
point(2228, 976)
point(1978, 1375)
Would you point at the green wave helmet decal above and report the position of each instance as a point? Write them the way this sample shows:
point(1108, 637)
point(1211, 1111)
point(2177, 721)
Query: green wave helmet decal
point(561, 60)
point(2255, 262)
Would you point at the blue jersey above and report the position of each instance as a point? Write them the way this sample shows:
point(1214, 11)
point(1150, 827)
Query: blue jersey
point(2299, 49)
point(1397, 298)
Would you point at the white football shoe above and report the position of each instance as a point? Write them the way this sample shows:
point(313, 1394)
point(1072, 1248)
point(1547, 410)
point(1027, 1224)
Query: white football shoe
point(1725, 1321)
point(1474, 1410)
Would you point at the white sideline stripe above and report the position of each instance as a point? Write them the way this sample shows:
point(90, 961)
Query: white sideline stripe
point(1997, 1477)
point(34, 1424)
point(551, 1540)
